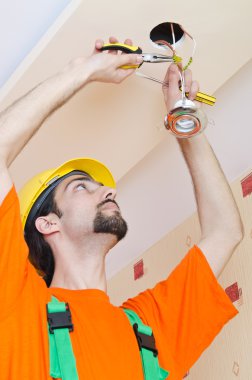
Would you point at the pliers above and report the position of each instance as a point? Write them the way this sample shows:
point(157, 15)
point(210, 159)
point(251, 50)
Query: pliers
point(154, 58)
point(147, 57)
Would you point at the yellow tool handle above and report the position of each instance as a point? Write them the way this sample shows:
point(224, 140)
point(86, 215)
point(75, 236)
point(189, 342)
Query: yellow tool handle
point(128, 49)
point(122, 47)
point(203, 98)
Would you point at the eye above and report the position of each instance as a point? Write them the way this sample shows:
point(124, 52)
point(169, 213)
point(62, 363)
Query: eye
point(80, 186)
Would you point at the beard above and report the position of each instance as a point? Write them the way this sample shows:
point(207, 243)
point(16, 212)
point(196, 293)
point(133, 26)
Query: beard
point(113, 224)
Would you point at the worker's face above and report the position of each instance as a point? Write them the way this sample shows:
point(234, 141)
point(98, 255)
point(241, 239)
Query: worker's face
point(88, 207)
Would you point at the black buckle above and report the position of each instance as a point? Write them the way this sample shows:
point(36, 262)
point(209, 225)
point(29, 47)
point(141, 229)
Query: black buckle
point(59, 320)
point(145, 341)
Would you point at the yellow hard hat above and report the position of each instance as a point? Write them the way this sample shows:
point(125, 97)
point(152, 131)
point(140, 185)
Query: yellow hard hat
point(34, 188)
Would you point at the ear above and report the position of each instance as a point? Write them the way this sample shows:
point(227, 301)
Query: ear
point(47, 224)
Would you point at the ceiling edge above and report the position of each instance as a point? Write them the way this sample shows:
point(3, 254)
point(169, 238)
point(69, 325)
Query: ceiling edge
point(39, 47)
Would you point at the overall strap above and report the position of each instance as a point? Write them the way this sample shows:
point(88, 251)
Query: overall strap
point(62, 360)
point(147, 347)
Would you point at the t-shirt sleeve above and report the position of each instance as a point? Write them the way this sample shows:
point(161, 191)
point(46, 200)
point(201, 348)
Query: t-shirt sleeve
point(13, 252)
point(186, 311)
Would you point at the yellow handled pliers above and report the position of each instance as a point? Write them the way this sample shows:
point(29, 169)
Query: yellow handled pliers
point(147, 57)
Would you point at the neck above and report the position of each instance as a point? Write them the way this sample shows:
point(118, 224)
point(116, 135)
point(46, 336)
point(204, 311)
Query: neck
point(81, 266)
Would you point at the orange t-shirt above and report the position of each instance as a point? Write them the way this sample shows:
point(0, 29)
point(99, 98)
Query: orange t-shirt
point(186, 311)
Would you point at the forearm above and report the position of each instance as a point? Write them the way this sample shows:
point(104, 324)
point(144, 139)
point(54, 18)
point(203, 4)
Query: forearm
point(218, 213)
point(20, 121)
point(221, 226)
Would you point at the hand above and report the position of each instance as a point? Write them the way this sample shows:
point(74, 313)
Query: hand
point(106, 66)
point(171, 91)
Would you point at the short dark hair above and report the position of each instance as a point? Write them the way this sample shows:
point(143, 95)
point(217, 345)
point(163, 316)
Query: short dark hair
point(40, 252)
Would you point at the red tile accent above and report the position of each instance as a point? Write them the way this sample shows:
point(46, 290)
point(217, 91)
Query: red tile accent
point(233, 292)
point(138, 269)
point(246, 185)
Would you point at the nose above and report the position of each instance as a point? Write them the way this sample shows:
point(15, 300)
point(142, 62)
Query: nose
point(109, 192)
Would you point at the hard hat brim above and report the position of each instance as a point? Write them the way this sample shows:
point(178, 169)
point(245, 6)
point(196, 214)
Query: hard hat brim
point(94, 168)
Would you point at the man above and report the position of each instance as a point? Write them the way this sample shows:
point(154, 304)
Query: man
point(71, 221)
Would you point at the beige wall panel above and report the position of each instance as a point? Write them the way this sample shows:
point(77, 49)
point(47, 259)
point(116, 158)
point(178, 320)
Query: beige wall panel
point(159, 261)
point(233, 347)
point(232, 350)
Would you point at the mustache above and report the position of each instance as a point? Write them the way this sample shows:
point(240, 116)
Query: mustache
point(107, 201)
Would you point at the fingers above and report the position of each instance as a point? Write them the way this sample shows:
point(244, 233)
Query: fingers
point(98, 45)
point(188, 80)
point(127, 59)
point(113, 39)
point(128, 41)
point(172, 73)
point(193, 90)
point(130, 59)
point(191, 86)
point(172, 77)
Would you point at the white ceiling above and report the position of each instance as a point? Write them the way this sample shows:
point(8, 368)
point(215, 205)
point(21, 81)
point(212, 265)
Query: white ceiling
point(24, 26)
point(122, 125)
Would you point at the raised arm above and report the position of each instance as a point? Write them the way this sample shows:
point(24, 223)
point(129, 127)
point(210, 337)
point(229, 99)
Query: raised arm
point(221, 226)
point(20, 121)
